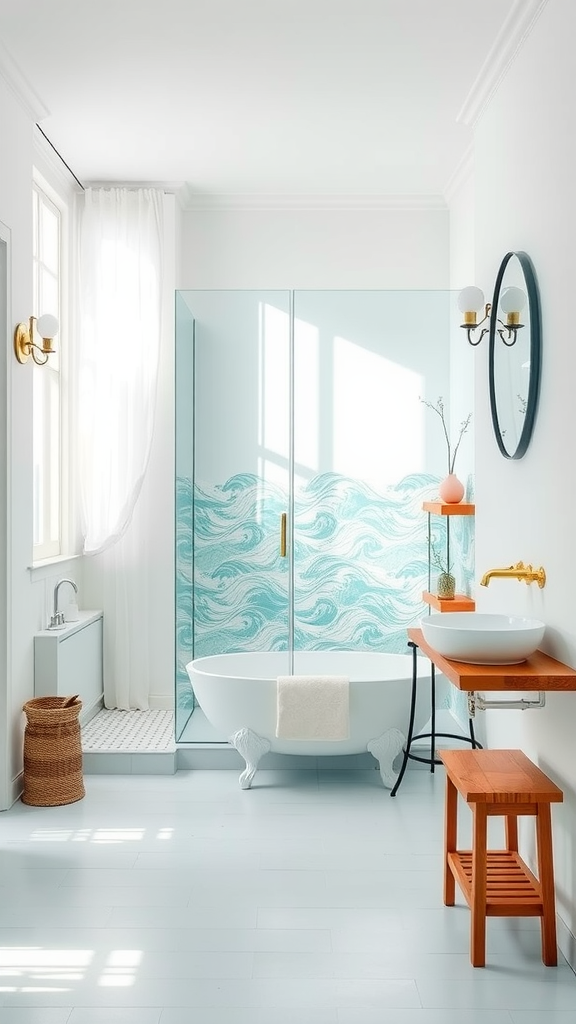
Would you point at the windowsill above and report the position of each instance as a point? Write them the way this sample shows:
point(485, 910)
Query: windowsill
point(42, 569)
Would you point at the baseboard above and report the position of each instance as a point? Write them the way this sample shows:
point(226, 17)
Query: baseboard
point(566, 943)
point(90, 712)
point(157, 702)
point(17, 788)
point(161, 701)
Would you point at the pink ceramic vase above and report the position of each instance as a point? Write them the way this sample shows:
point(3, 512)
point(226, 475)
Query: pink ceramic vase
point(451, 490)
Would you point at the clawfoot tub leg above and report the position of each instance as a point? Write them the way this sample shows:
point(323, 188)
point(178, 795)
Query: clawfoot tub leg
point(385, 749)
point(251, 746)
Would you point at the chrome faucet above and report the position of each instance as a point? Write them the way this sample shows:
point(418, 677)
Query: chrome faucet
point(57, 619)
point(519, 572)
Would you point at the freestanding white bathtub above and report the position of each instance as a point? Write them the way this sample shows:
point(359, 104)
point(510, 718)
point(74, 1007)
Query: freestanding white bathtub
point(237, 693)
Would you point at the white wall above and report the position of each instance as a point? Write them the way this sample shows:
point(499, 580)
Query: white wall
point(26, 602)
point(463, 357)
point(298, 248)
point(28, 597)
point(525, 154)
point(15, 214)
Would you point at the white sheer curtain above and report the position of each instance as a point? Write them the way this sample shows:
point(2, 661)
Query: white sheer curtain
point(118, 349)
point(118, 352)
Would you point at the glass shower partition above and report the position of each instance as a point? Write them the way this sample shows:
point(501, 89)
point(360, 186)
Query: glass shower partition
point(303, 404)
point(233, 455)
point(362, 360)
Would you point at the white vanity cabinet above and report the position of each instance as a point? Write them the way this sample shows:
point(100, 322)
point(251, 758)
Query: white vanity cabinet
point(69, 661)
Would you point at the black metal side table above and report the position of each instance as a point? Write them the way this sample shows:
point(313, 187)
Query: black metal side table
point(432, 760)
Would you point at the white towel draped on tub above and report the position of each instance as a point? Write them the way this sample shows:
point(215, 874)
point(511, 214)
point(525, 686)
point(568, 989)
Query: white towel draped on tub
point(313, 708)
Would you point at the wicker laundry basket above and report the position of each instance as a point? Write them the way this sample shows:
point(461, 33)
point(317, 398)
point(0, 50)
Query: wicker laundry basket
point(52, 752)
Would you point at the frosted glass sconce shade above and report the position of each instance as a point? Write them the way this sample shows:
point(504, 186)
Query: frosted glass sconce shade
point(470, 303)
point(471, 299)
point(46, 326)
point(512, 301)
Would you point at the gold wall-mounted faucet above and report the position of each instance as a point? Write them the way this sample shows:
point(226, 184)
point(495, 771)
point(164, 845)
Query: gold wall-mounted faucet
point(519, 572)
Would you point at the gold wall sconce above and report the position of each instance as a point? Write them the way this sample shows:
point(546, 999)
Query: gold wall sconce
point(46, 327)
point(512, 302)
point(514, 358)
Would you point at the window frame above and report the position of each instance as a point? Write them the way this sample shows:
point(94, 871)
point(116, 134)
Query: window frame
point(66, 544)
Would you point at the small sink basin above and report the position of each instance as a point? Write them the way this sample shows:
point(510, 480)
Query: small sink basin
point(482, 639)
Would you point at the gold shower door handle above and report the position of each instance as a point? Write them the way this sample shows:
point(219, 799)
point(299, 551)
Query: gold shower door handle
point(283, 535)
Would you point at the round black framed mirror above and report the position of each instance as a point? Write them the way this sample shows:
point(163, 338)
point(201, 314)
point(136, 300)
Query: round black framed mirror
point(515, 354)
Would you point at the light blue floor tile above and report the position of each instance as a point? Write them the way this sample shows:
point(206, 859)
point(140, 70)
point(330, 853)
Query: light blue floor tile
point(38, 1015)
point(115, 1015)
point(535, 1016)
point(377, 994)
point(422, 1016)
point(251, 1015)
point(503, 987)
point(340, 919)
point(216, 916)
point(315, 898)
point(60, 916)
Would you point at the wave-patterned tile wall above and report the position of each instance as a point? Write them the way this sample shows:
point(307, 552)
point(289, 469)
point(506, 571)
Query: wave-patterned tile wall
point(360, 565)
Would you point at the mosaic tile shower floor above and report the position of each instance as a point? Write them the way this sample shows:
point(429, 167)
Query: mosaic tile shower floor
point(129, 732)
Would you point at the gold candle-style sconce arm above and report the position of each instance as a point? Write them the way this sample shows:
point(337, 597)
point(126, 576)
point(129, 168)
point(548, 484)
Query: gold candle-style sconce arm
point(25, 346)
point(283, 535)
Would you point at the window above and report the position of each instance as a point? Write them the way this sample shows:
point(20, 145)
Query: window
point(47, 380)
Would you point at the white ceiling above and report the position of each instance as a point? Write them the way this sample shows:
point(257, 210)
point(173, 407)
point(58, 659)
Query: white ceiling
point(315, 97)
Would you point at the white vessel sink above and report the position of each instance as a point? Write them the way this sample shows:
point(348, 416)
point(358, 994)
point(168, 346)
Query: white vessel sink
point(482, 639)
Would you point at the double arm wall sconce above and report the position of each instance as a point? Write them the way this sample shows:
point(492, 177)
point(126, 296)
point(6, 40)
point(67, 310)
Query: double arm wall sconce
point(471, 302)
point(46, 327)
point(513, 369)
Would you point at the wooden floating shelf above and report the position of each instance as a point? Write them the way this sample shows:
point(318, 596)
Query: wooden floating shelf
point(440, 508)
point(458, 603)
point(538, 672)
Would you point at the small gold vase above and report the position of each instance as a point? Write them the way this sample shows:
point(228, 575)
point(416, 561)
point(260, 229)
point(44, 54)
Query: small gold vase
point(446, 586)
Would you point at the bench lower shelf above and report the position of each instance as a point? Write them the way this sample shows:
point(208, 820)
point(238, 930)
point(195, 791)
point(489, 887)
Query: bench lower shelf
point(511, 888)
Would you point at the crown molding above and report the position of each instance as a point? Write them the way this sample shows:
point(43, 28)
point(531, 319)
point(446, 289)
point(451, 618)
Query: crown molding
point(511, 37)
point(162, 186)
point(460, 175)
point(189, 200)
point(20, 87)
point(48, 161)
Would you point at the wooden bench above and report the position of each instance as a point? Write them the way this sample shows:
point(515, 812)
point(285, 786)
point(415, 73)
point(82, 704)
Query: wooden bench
point(497, 883)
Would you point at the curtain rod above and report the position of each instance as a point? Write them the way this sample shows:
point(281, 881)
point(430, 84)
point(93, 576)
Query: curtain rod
point(60, 157)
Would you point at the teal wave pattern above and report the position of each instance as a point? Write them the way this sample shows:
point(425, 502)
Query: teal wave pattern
point(360, 565)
